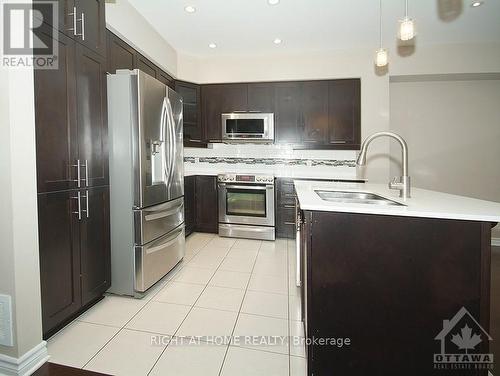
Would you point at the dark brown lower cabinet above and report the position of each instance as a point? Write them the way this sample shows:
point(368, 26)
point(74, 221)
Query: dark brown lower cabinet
point(207, 214)
point(190, 203)
point(74, 253)
point(388, 283)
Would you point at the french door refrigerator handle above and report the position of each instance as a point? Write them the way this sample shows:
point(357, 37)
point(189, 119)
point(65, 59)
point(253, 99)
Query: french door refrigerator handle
point(171, 139)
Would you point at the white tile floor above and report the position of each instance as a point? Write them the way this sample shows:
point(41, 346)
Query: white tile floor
point(223, 287)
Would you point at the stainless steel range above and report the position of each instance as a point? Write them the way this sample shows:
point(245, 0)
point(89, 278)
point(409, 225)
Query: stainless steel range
point(246, 206)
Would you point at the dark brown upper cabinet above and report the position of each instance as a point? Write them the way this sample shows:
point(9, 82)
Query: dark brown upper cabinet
point(145, 65)
point(165, 78)
point(91, 25)
point(120, 54)
point(66, 19)
point(82, 20)
point(92, 117)
point(261, 97)
point(211, 99)
point(344, 113)
point(287, 114)
point(323, 114)
point(56, 123)
point(191, 104)
point(314, 117)
point(234, 98)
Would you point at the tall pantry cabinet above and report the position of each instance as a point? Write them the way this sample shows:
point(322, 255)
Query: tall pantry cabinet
point(72, 168)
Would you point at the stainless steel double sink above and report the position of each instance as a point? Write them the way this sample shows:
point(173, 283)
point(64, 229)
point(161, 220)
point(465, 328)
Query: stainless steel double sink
point(355, 198)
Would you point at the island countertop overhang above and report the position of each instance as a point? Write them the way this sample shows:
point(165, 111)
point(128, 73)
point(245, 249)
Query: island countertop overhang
point(422, 203)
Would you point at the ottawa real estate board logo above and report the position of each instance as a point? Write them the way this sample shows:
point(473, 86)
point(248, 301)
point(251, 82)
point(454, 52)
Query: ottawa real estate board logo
point(29, 37)
point(463, 342)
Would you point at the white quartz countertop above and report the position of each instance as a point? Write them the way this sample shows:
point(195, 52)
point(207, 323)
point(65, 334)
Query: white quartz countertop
point(423, 203)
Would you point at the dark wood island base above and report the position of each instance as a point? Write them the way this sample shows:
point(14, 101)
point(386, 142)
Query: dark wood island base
point(387, 283)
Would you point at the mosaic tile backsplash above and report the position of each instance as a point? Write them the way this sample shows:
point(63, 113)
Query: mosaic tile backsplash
point(273, 161)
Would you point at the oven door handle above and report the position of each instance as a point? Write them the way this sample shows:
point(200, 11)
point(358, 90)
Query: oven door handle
point(251, 187)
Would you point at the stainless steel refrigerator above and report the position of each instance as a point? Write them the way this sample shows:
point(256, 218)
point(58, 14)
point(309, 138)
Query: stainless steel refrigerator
point(146, 181)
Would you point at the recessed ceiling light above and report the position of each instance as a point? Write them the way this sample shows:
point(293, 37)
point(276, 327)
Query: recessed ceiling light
point(277, 41)
point(476, 4)
point(273, 2)
point(212, 45)
point(190, 9)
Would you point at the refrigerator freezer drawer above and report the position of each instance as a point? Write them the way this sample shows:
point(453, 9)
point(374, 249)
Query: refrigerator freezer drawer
point(153, 222)
point(154, 260)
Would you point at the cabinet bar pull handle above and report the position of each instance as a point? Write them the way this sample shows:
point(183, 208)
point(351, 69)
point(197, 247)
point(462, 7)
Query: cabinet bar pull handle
point(79, 212)
point(338, 142)
point(74, 21)
point(78, 176)
point(87, 212)
point(290, 223)
point(86, 173)
point(83, 26)
point(289, 206)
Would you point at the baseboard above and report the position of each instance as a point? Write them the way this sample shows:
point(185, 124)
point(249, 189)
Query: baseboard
point(495, 242)
point(26, 364)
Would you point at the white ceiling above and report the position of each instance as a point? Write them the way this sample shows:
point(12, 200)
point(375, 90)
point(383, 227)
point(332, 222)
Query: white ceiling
point(248, 27)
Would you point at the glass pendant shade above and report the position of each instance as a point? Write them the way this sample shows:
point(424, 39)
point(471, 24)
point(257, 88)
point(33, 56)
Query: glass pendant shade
point(406, 29)
point(381, 57)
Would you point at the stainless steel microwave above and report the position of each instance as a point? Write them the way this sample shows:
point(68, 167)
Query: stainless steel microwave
point(248, 127)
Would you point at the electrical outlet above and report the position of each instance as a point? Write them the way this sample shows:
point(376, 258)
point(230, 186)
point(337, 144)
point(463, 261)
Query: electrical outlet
point(6, 321)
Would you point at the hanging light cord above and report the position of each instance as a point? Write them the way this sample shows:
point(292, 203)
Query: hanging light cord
point(380, 24)
point(406, 8)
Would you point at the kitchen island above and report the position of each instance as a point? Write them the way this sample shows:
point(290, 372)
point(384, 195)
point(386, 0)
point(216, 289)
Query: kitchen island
point(399, 282)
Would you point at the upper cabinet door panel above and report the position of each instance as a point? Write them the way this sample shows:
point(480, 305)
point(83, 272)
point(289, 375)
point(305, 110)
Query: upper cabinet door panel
point(120, 55)
point(55, 114)
point(344, 109)
point(234, 98)
point(66, 18)
point(92, 117)
point(261, 97)
point(315, 111)
point(91, 25)
point(287, 112)
point(191, 106)
point(211, 109)
point(145, 65)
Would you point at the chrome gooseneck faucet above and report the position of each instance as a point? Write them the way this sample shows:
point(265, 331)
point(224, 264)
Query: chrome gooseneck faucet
point(403, 182)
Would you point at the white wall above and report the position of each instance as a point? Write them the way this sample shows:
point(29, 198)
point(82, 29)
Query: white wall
point(19, 262)
point(453, 133)
point(124, 20)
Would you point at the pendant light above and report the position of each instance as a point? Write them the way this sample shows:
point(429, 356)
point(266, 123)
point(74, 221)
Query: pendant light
point(381, 55)
point(406, 26)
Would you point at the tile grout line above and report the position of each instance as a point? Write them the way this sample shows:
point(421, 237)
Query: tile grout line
point(144, 306)
point(239, 313)
point(190, 310)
